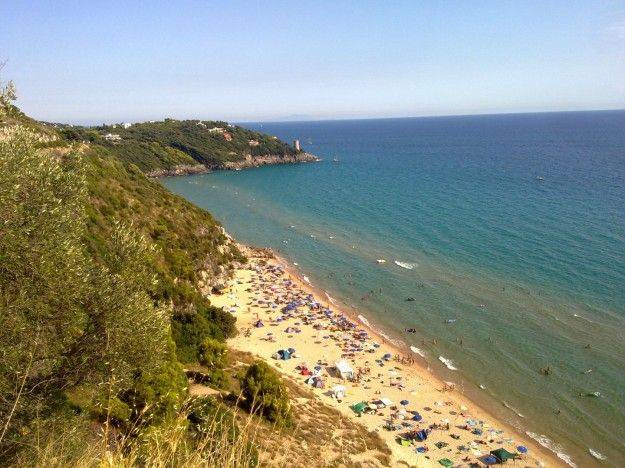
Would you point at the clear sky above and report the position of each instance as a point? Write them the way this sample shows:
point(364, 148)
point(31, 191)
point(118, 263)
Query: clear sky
point(93, 62)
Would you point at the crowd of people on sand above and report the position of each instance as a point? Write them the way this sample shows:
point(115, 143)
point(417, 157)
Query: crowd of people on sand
point(283, 309)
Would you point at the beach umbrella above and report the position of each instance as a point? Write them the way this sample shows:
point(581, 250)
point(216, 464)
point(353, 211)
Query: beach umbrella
point(522, 449)
point(404, 402)
point(417, 417)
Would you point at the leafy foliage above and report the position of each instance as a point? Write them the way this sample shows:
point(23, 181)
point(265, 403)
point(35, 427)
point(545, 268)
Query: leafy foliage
point(101, 271)
point(213, 356)
point(190, 328)
point(265, 394)
point(90, 305)
point(164, 145)
point(189, 241)
point(65, 319)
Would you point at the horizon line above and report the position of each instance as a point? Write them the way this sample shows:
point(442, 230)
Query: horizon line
point(432, 116)
point(286, 119)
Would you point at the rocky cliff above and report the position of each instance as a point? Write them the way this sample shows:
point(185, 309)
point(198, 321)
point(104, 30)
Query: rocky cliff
point(248, 162)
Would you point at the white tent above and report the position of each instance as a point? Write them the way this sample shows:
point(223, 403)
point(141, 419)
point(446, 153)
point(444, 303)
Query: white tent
point(344, 369)
point(338, 391)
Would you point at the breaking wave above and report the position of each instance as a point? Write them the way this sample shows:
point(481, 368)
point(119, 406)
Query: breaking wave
point(513, 409)
point(364, 320)
point(406, 265)
point(551, 445)
point(448, 363)
point(597, 455)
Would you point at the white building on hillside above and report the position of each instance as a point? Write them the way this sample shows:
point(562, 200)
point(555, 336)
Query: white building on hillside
point(112, 137)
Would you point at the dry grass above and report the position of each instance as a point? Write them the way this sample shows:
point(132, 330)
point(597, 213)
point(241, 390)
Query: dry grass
point(226, 439)
point(321, 435)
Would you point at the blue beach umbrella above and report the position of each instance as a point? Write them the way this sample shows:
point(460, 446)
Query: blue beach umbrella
point(404, 402)
point(417, 417)
point(522, 449)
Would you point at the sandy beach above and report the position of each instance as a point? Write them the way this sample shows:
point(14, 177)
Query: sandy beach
point(283, 320)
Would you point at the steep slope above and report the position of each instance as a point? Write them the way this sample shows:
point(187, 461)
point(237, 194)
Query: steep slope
point(102, 275)
point(101, 298)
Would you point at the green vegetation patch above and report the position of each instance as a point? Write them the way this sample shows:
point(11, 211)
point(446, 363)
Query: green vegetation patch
point(153, 146)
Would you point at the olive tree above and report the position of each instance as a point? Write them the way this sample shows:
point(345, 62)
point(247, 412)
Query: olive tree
point(65, 319)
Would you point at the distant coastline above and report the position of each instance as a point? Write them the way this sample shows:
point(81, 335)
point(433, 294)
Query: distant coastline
point(496, 250)
point(247, 163)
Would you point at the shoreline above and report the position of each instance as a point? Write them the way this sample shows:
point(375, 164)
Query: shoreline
point(427, 381)
point(421, 367)
point(247, 163)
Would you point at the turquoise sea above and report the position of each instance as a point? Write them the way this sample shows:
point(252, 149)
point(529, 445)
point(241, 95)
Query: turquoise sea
point(509, 231)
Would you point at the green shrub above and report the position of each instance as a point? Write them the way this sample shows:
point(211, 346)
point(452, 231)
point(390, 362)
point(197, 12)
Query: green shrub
point(219, 379)
point(157, 395)
point(266, 395)
point(191, 327)
point(68, 318)
point(212, 353)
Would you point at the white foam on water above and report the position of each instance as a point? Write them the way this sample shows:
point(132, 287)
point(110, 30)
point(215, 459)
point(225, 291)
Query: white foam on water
point(330, 298)
point(418, 351)
point(398, 343)
point(552, 446)
point(305, 278)
point(448, 363)
point(583, 318)
point(406, 265)
point(513, 409)
point(597, 455)
point(364, 320)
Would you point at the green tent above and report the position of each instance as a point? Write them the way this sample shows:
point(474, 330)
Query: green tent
point(503, 455)
point(403, 442)
point(446, 462)
point(359, 408)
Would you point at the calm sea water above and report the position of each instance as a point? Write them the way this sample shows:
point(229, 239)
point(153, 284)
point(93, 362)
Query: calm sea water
point(513, 228)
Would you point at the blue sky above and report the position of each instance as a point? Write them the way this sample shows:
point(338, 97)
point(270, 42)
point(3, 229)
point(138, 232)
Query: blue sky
point(93, 62)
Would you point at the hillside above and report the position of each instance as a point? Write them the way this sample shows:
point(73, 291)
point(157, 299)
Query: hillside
point(173, 147)
point(101, 304)
point(104, 322)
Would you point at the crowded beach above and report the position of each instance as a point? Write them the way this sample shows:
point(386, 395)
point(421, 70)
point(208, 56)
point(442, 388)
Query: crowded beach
point(424, 420)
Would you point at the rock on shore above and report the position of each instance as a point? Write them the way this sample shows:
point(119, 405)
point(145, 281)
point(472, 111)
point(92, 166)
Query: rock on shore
point(248, 162)
point(182, 169)
point(257, 161)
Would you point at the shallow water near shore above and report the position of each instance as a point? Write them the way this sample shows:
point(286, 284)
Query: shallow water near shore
point(507, 233)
